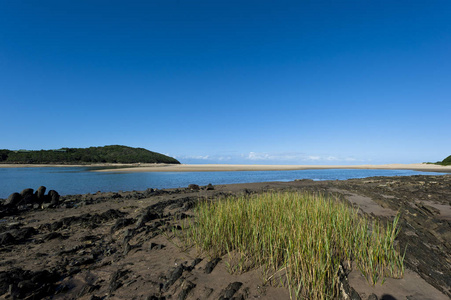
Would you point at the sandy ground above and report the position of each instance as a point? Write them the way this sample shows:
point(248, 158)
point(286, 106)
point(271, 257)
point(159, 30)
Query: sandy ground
point(121, 245)
point(224, 167)
point(138, 167)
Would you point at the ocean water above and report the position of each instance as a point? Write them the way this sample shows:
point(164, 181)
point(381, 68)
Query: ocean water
point(81, 180)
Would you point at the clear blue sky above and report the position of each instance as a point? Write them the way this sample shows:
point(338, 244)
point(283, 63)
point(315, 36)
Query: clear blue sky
point(259, 82)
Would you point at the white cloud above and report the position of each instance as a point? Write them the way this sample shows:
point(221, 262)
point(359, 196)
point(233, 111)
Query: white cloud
point(282, 157)
point(311, 157)
point(294, 157)
point(266, 158)
point(203, 157)
point(350, 159)
point(224, 158)
point(258, 156)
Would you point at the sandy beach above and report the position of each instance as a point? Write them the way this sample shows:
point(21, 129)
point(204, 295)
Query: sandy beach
point(138, 167)
point(226, 167)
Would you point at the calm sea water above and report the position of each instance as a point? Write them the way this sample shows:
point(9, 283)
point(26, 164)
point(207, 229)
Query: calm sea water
point(81, 180)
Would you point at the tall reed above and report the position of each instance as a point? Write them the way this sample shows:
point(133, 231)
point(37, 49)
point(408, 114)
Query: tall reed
point(307, 235)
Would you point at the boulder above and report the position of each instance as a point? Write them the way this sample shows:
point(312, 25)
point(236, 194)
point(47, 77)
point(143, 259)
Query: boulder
point(28, 197)
point(40, 193)
point(13, 199)
point(26, 192)
point(193, 187)
point(54, 197)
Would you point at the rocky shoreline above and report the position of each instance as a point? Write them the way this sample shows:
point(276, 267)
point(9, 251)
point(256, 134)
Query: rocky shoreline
point(120, 245)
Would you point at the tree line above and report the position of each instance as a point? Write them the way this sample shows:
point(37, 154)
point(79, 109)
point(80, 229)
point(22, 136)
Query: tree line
point(105, 154)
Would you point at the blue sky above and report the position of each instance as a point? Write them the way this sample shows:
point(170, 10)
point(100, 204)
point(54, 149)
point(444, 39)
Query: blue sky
point(258, 82)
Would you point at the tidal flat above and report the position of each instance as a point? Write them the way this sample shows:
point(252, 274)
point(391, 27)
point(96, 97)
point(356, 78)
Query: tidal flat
point(123, 245)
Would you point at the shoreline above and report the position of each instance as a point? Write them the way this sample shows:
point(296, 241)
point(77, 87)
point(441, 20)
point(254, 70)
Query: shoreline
point(139, 167)
point(231, 168)
point(121, 244)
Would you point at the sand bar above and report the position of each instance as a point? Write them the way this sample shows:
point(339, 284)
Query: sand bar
point(225, 167)
point(132, 168)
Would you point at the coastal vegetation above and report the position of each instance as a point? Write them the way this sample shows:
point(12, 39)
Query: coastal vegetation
point(307, 237)
point(106, 154)
point(446, 161)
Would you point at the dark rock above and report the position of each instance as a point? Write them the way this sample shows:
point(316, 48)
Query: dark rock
point(74, 270)
point(211, 265)
point(176, 274)
point(81, 261)
point(355, 295)
point(52, 236)
point(346, 291)
point(25, 233)
point(127, 248)
point(111, 214)
point(115, 281)
point(372, 297)
point(155, 246)
point(181, 216)
point(54, 197)
point(247, 192)
point(6, 239)
point(145, 217)
point(91, 238)
point(193, 187)
point(26, 192)
point(128, 235)
point(55, 225)
point(230, 290)
point(28, 197)
point(88, 289)
point(194, 263)
point(16, 236)
point(188, 287)
point(13, 199)
point(189, 204)
point(27, 284)
point(121, 223)
point(7, 278)
point(176, 205)
point(40, 194)
point(209, 187)
point(155, 297)
point(116, 196)
point(86, 220)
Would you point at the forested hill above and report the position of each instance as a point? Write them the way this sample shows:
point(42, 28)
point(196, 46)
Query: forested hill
point(446, 161)
point(106, 154)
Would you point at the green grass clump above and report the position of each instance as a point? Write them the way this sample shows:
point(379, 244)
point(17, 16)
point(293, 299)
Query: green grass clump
point(306, 235)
